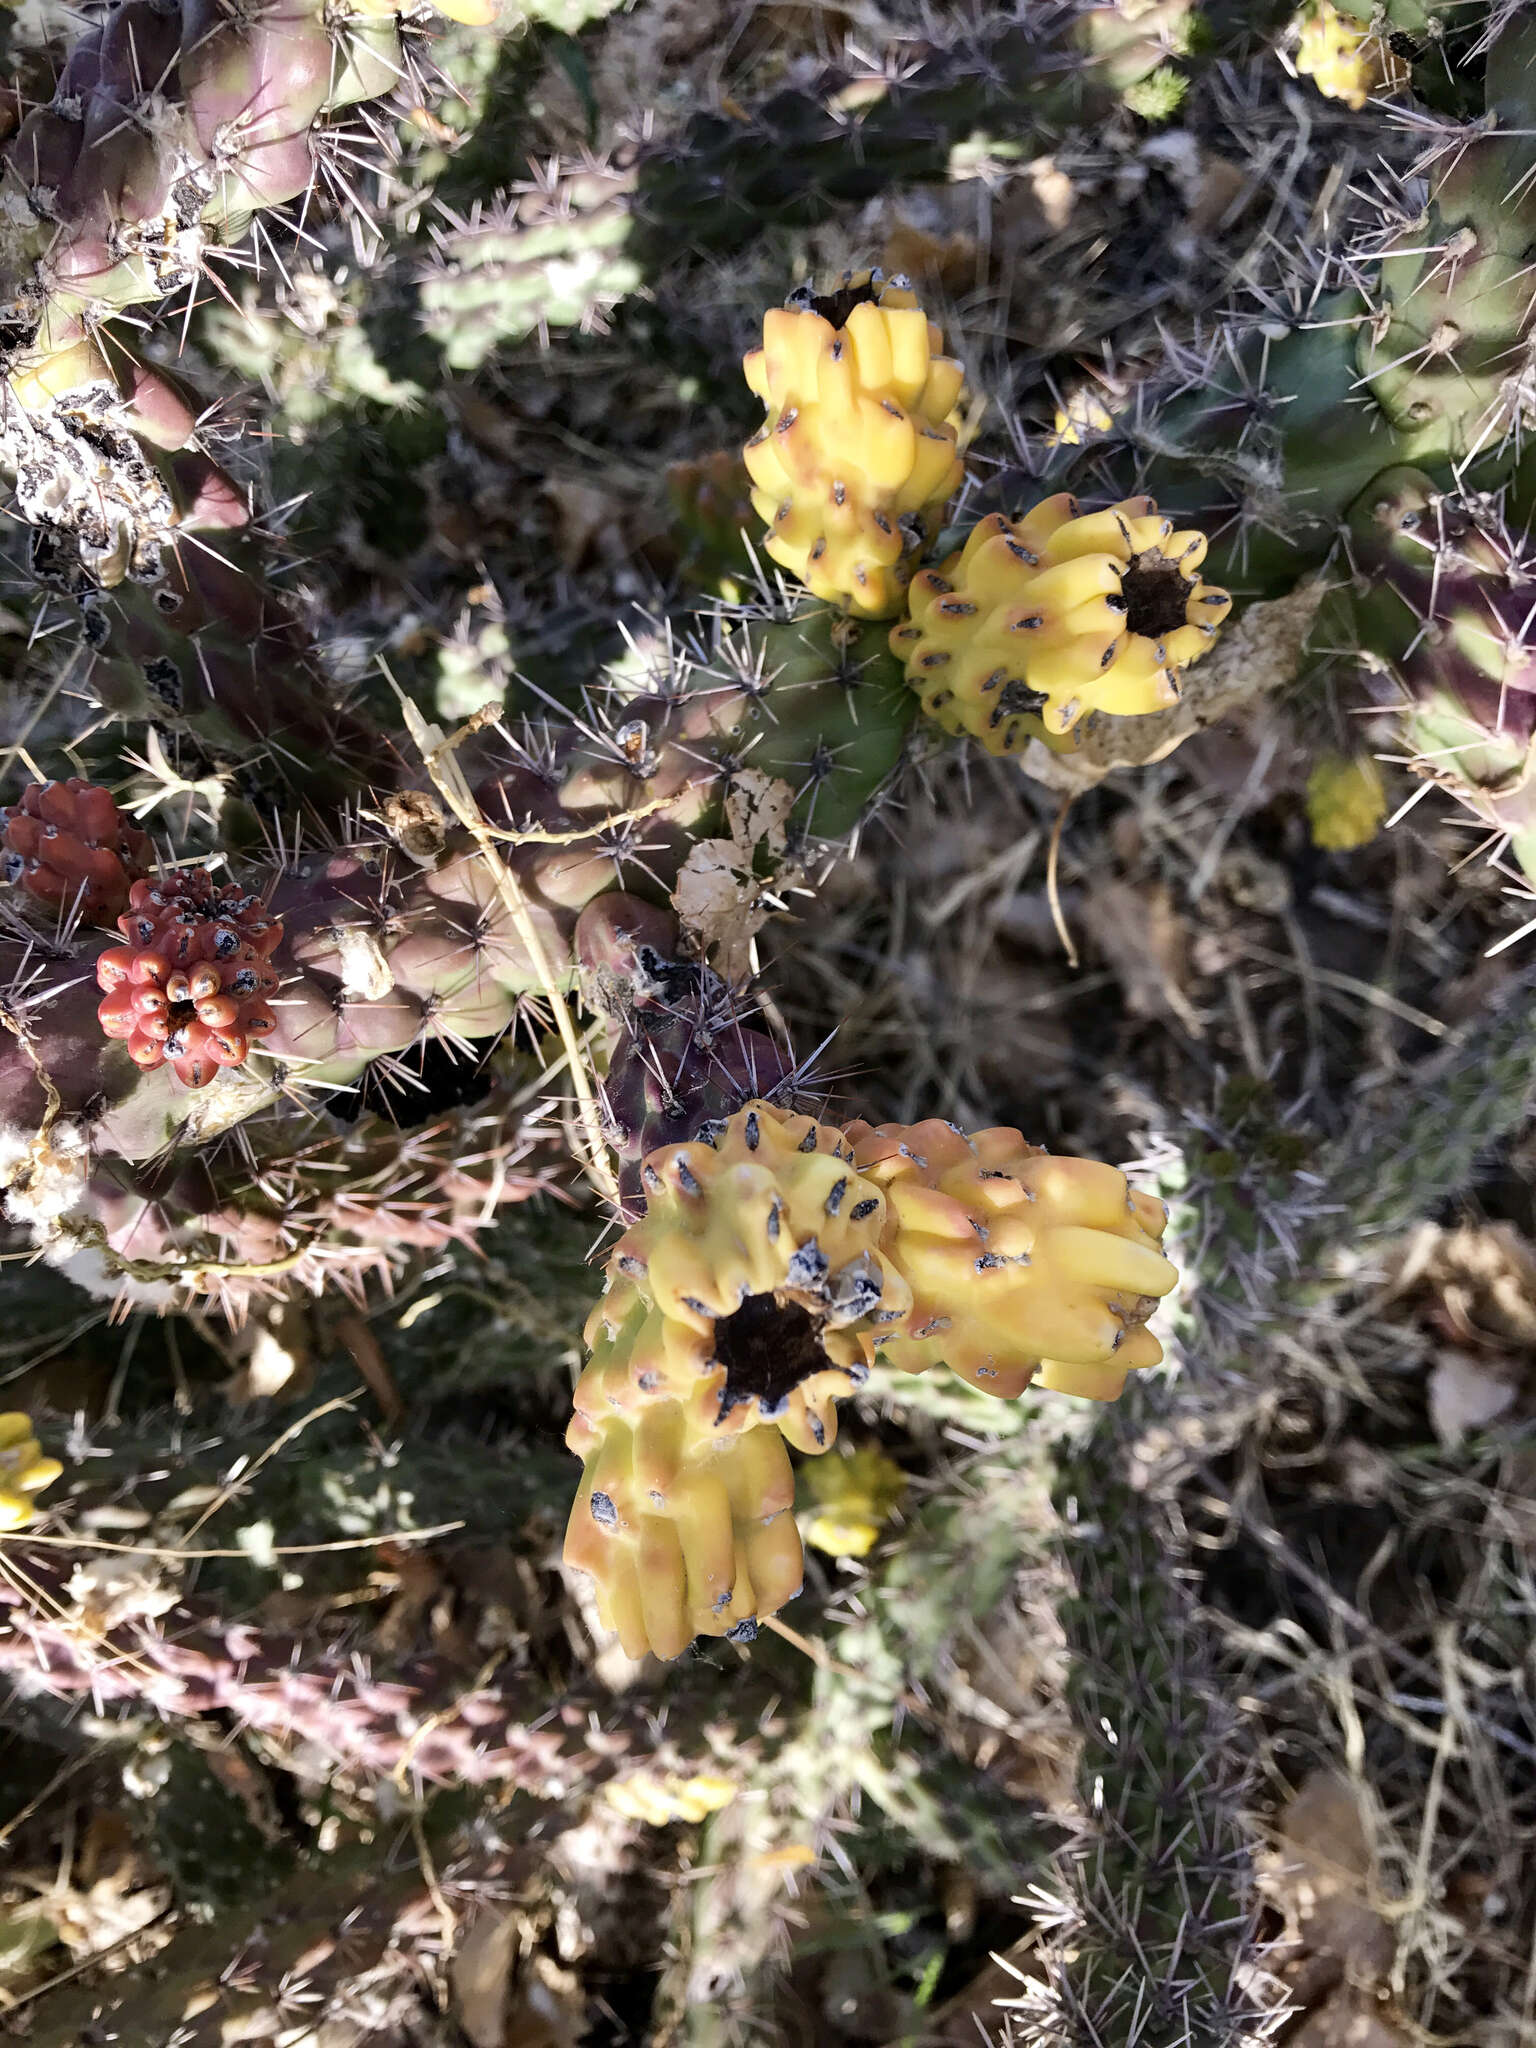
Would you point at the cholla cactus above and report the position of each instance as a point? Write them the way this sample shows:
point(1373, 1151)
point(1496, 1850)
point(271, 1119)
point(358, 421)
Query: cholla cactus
point(550, 254)
point(1151, 1937)
point(1440, 608)
point(857, 458)
point(382, 907)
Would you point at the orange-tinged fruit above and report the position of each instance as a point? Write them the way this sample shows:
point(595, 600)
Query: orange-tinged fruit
point(1023, 1266)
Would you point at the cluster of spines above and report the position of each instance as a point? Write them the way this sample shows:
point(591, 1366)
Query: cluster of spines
point(185, 1662)
point(384, 949)
point(1152, 1938)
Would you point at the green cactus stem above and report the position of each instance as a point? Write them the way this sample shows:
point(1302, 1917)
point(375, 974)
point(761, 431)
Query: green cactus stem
point(1404, 350)
point(1154, 1922)
point(1453, 305)
point(212, 651)
point(548, 254)
point(802, 154)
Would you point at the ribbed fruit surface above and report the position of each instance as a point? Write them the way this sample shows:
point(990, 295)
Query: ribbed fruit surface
point(857, 458)
point(67, 844)
point(1040, 620)
point(749, 1297)
point(1023, 1267)
point(684, 1535)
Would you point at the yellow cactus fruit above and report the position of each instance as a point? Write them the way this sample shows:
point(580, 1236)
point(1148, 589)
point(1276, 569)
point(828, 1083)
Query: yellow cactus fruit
point(685, 1536)
point(855, 1497)
point(660, 1800)
point(1344, 59)
point(1023, 1267)
point(1083, 415)
point(857, 458)
point(24, 1471)
point(748, 1299)
point(1346, 802)
point(1040, 620)
point(753, 1290)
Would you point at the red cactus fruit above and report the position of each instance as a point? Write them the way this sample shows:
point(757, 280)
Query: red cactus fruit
point(191, 984)
point(68, 840)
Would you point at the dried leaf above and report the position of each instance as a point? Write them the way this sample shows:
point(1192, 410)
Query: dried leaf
point(1484, 1281)
point(1320, 1878)
point(757, 809)
point(481, 1976)
point(363, 1350)
point(719, 905)
point(1465, 1393)
point(419, 1583)
point(1141, 934)
point(719, 898)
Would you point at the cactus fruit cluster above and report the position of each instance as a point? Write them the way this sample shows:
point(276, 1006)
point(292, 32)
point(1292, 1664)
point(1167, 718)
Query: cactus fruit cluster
point(1023, 1267)
point(856, 460)
point(749, 1296)
point(69, 846)
point(776, 1260)
point(1060, 613)
point(543, 1078)
point(193, 982)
